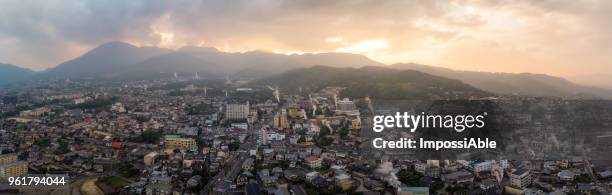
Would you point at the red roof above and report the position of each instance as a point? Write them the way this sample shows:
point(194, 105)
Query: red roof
point(117, 145)
point(312, 158)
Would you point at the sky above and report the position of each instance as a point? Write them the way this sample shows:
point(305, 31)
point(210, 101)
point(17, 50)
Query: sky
point(570, 38)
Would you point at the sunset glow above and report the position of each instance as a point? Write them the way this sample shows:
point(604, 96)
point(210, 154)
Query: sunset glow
point(559, 38)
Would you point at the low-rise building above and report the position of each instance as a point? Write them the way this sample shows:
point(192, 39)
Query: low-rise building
point(520, 178)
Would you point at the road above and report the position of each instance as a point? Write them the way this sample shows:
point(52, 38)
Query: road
point(221, 183)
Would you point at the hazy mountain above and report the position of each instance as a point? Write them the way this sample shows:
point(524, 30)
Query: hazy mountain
point(122, 60)
point(165, 66)
point(260, 64)
point(510, 83)
point(107, 60)
point(376, 82)
point(601, 80)
point(11, 74)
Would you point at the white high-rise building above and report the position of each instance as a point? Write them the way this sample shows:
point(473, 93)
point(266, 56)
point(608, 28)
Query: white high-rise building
point(346, 106)
point(263, 136)
point(237, 111)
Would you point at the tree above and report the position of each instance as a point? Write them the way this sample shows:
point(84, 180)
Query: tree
point(409, 177)
point(324, 141)
point(62, 149)
point(148, 136)
point(43, 143)
point(456, 189)
point(343, 132)
point(324, 131)
point(583, 178)
point(234, 146)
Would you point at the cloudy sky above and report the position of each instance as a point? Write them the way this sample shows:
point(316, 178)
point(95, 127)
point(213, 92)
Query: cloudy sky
point(565, 38)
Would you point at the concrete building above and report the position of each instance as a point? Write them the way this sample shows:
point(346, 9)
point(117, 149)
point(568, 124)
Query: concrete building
point(405, 190)
point(566, 175)
point(347, 107)
point(520, 178)
point(10, 166)
point(176, 142)
point(313, 162)
point(237, 111)
point(280, 120)
point(459, 177)
point(263, 136)
point(482, 166)
point(7, 158)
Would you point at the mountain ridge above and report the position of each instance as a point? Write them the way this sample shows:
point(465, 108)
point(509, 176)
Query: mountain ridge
point(373, 81)
point(119, 60)
point(529, 84)
point(10, 73)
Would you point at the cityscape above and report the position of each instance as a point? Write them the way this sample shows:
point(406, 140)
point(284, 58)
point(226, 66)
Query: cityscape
point(305, 97)
point(187, 135)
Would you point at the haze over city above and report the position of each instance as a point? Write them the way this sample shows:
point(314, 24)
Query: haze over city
point(569, 39)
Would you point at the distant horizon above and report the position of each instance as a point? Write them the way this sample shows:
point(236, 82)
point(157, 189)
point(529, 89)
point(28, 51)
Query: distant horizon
point(266, 51)
point(288, 54)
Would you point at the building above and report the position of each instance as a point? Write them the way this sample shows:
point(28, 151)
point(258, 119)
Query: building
point(294, 111)
point(263, 136)
point(405, 190)
point(243, 126)
point(310, 177)
point(459, 177)
point(420, 167)
point(252, 118)
point(488, 184)
point(520, 178)
point(118, 108)
point(355, 123)
point(566, 175)
point(484, 166)
point(313, 162)
point(275, 136)
point(7, 158)
point(12, 169)
point(10, 166)
point(344, 181)
point(280, 120)
point(248, 164)
point(237, 111)
point(347, 107)
point(176, 142)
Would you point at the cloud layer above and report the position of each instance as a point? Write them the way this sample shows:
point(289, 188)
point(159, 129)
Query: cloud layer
point(554, 37)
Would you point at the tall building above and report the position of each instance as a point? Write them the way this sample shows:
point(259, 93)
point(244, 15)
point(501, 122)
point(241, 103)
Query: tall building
point(10, 166)
point(520, 178)
point(280, 120)
point(346, 106)
point(237, 111)
point(264, 136)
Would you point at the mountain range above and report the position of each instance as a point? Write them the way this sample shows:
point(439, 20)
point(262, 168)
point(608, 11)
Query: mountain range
point(527, 84)
point(119, 60)
point(373, 81)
